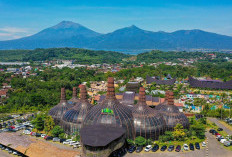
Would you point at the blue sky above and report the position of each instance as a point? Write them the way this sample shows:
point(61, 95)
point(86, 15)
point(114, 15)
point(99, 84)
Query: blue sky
point(20, 18)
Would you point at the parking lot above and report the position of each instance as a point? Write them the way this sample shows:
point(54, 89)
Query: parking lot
point(227, 130)
point(213, 149)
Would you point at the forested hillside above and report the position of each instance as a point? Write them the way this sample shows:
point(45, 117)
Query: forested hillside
point(80, 55)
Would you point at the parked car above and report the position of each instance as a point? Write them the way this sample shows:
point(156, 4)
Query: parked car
point(71, 142)
point(62, 140)
point(148, 148)
point(211, 130)
point(131, 149)
point(139, 149)
point(15, 153)
point(178, 148)
point(5, 130)
point(163, 148)
point(38, 134)
point(203, 144)
point(223, 140)
point(155, 148)
point(186, 147)
point(197, 145)
point(12, 130)
point(74, 143)
point(216, 134)
point(121, 152)
point(10, 151)
point(66, 142)
point(219, 129)
point(33, 133)
point(48, 138)
point(191, 146)
point(56, 139)
point(227, 143)
point(220, 137)
point(43, 135)
point(171, 148)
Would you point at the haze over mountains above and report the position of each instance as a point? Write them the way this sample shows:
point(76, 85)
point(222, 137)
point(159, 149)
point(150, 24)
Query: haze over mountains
point(70, 34)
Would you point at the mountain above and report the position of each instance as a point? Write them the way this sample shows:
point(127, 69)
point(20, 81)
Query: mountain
point(70, 34)
point(64, 34)
point(64, 30)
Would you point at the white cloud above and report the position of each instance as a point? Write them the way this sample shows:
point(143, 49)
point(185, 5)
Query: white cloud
point(13, 30)
point(5, 34)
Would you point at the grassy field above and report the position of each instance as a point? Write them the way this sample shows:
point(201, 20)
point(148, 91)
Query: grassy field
point(226, 125)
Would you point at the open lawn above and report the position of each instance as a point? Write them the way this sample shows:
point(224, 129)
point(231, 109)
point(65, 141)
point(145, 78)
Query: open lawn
point(226, 125)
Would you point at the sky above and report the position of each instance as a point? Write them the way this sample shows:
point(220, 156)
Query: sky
point(20, 18)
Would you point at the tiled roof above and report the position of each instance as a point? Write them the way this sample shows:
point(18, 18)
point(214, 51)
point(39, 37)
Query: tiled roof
point(165, 82)
point(210, 84)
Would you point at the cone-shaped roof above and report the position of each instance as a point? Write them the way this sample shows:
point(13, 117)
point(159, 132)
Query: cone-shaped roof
point(148, 122)
point(111, 112)
point(57, 111)
point(74, 98)
point(171, 113)
point(73, 118)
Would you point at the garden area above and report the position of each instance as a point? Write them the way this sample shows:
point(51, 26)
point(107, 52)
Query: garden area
point(44, 123)
point(179, 136)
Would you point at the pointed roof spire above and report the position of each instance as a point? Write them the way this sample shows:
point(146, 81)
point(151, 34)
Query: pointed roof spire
point(74, 92)
point(171, 98)
point(142, 96)
point(110, 88)
point(83, 92)
point(63, 95)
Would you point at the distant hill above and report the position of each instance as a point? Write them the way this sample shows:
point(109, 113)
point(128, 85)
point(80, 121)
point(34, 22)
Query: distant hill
point(81, 56)
point(70, 34)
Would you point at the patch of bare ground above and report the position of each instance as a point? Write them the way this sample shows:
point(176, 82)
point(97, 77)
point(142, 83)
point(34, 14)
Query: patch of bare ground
point(36, 147)
point(44, 149)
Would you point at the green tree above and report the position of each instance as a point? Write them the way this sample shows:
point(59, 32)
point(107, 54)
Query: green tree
point(198, 129)
point(129, 141)
point(179, 133)
point(39, 122)
point(56, 131)
point(140, 141)
point(48, 124)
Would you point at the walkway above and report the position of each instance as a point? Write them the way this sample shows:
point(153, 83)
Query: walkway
point(4, 154)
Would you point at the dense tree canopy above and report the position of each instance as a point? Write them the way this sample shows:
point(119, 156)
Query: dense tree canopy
point(81, 56)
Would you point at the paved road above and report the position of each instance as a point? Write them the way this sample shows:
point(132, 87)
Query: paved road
point(4, 154)
point(213, 149)
point(228, 131)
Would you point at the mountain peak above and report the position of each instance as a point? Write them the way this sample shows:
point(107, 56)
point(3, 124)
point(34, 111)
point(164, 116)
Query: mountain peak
point(66, 24)
point(133, 27)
